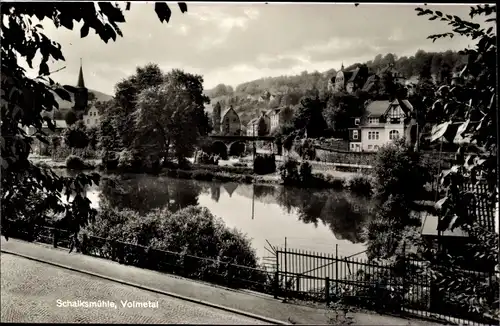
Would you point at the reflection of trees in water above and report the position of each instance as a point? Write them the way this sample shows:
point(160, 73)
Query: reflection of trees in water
point(262, 191)
point(144, 193)
point(344, 214)
point(215, 191)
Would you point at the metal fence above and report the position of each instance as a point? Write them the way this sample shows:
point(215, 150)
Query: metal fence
point(405, 286)
point(218, 271)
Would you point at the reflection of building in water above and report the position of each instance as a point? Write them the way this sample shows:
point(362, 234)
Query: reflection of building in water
point(215, 192)
point(230, 187)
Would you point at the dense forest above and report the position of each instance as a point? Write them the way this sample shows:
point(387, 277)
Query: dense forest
point(245, 100)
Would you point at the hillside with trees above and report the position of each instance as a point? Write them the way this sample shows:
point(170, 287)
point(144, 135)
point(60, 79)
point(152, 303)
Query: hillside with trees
point(288, 90)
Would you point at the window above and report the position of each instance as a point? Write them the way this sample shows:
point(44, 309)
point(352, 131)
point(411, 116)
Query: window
point(393, 134)
point(357, 121)
point(373, 135)
point(370, 146)
point(376, 147)
point(355, 134)
point(373, 120)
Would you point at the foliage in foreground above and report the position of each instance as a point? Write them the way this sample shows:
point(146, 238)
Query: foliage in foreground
point(24, 99)
point(174, 237)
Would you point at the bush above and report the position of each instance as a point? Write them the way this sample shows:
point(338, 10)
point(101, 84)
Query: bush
point(264, 164)
point(192, 231)
point(305, 172)
point(289, 172)
point(361, 185)
point(74, 162)
point(110, 160)
point(129, 161)
point(205, 158)
point(305, 148)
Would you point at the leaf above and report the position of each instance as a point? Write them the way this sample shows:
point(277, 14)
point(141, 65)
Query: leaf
point(163, 11)
point(433, 18)
point(183, 7)
point(62, 93)
point(42, 139)
point(439, 130)
point(44, 69)
point(440, 203)
point(84, 31)
point(127, 8)
point(4, 163)
point(462, 128)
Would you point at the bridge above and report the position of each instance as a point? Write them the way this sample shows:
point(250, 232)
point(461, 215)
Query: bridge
point(233, 145)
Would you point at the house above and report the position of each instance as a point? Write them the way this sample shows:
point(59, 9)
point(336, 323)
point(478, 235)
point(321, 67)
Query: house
point(91, 118)
point(279, 117)
point(383, 122)
point(82, 102)
point(230, 122)
point(253, 125)
point(348, 81)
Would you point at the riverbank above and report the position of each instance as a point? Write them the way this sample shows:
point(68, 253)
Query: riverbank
point(227, 173)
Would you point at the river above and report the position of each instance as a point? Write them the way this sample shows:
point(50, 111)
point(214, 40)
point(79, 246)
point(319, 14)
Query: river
point(312, 220)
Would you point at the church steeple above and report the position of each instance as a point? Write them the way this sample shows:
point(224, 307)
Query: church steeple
point(81, 94)
point(342, 67)
point(81, 82)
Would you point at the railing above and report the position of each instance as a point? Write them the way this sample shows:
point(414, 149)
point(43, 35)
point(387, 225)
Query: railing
point(218, 271)
point(402, 287)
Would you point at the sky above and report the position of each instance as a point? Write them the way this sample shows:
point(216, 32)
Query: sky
point(232, 43)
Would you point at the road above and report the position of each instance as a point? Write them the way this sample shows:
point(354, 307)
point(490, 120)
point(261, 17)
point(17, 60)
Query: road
point(30, 292)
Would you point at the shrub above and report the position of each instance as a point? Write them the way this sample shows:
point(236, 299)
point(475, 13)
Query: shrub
point(128, 161)
point(74, 162)
point(264, 164)
point(361, 185)
point(110, 160)
point(305, 172)
point(205, 158)
point(289, 172)
point(189, 231)
point(306, 150)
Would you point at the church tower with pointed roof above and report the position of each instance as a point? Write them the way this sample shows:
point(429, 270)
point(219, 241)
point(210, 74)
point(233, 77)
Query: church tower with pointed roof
point(81, 93)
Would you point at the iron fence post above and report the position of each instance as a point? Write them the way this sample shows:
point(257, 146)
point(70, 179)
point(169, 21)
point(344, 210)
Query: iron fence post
point(54, 237)
point(337, 268)
point(276, 276)
point(327, 291)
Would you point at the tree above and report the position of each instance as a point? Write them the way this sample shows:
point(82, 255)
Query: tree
point(193, 84)
point(71, 118)
point(262, 126)
point(24, 99)
point(396, 166)
point(466, 113)
point(165, 114)
point(126, 92)
point(308, 116)
point(76, 136)
point(341, 108)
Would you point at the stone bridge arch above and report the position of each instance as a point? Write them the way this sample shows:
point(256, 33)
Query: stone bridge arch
point(219, 148)
point(237, 148)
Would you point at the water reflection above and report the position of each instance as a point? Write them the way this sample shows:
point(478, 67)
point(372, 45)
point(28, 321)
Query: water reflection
point(310, 219)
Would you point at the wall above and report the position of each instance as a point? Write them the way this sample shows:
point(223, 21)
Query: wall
point(92, 118)
point(231, 124)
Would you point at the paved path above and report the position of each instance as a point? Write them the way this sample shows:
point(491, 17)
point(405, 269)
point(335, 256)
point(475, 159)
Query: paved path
point(31, 290)
point(247, 301)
